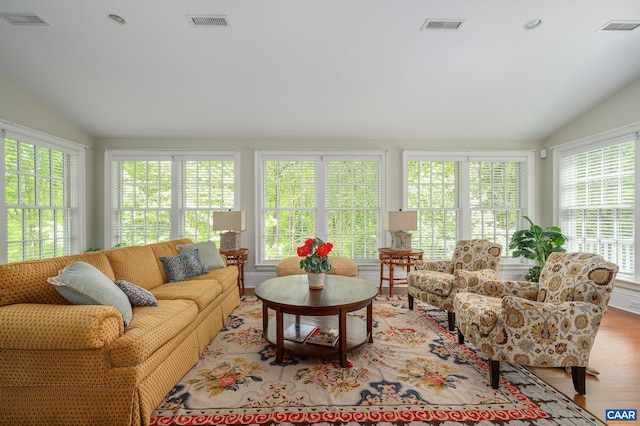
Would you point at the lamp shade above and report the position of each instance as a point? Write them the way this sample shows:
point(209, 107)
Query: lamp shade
point(230, 221)
point(401, 221)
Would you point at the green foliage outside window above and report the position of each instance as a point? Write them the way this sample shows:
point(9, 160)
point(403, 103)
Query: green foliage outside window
point(143, 202)
point(37, 184)
point(494, 200)
point(293, 209)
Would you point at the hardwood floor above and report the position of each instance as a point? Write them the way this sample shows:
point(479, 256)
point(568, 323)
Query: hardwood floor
point(616, 356)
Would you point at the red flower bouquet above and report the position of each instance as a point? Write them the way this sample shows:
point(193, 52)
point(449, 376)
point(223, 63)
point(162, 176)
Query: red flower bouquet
point(314, 253)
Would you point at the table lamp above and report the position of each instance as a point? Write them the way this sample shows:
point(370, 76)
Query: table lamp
point(233, 223)
point(398, 223)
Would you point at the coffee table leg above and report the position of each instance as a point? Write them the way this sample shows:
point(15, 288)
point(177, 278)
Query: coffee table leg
point(265, 320)
point(279, 336)
point(342, 325)
point(370, 321)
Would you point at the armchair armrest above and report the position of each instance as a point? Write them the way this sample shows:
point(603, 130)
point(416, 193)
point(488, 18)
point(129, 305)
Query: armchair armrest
point(558, 330)
point(485, 282)
point(436, 266)
point(30, 326)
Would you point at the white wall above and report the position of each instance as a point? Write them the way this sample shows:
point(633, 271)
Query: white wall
point(20, 107)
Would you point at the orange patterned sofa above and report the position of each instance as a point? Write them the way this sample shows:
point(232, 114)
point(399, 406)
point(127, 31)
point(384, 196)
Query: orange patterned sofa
point(62, 363)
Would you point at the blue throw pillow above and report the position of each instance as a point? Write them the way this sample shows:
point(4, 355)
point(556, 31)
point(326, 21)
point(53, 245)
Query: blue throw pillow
point(183, 266)
point(137, 295)
point(84, 284)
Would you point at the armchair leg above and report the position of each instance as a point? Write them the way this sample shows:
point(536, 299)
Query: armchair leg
point(494, 367)
point(410, 298)
point(451, 316)
point(460, 337)
point(578, 374)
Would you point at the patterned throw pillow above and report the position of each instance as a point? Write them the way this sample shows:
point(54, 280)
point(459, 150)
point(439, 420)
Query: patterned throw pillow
point(84, 284)
point(137, 295)
point(207, 252)
point(183, 266)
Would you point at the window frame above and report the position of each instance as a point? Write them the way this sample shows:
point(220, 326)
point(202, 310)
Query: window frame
point(591, 143)
point(77, 194)
point(321, 221)
point(464, 158)
point(175, 157)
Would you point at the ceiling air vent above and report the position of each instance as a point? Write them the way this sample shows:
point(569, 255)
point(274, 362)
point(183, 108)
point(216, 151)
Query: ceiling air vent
point(620, 26)
point(442, 24)
point(209, 20)
point(24, 19)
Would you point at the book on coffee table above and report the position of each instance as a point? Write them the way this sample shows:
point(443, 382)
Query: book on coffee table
point(323, 336)
point(298, 332)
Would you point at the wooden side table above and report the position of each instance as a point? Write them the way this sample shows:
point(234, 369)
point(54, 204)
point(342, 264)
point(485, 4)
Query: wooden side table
point(393, 259)
point(238, 258)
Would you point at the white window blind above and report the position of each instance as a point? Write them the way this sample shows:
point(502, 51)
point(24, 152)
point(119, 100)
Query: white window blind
point(598, 198)
point(333, 197)
point(41, 192)
point(460, 197)
point(353, 207)
point(158, 196)
point(289, 206)
point(141, 201)
point(497, 197)
point(433, 189)
point(206, 186)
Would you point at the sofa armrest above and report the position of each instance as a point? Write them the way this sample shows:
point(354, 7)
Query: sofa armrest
point(31, 326)
point(436, 266)
point(224, 259)
point(485, 282)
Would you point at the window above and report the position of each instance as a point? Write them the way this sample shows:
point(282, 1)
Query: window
point(336, 197)
point(466, 196)
point(41, 181)
point(597, 199)
point(158, 197)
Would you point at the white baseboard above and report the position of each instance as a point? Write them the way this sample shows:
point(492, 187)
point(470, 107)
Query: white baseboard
point(626, 299)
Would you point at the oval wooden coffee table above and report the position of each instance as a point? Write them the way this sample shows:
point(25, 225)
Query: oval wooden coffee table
point(293, 302)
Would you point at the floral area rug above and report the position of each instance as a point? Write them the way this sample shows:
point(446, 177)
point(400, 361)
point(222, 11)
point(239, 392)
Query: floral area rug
point(413, 373)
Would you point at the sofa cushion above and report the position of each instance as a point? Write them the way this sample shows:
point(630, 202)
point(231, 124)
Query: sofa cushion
point(84, 284)
point(202, 292)
point(138, 296)
point(136, 264)
point(183, 266)
point(207, 252)
point(433, 282)
point(151, 328)
point(226, 277)
point(478, 312)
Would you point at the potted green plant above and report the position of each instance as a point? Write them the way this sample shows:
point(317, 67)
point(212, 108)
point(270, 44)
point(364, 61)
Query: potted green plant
point(537, 244)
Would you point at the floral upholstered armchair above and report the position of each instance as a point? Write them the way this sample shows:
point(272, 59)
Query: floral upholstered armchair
point(552, 323)
point(435, 282)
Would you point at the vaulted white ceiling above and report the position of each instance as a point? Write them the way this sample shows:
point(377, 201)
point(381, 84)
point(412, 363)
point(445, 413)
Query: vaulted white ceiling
point(321, 68)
